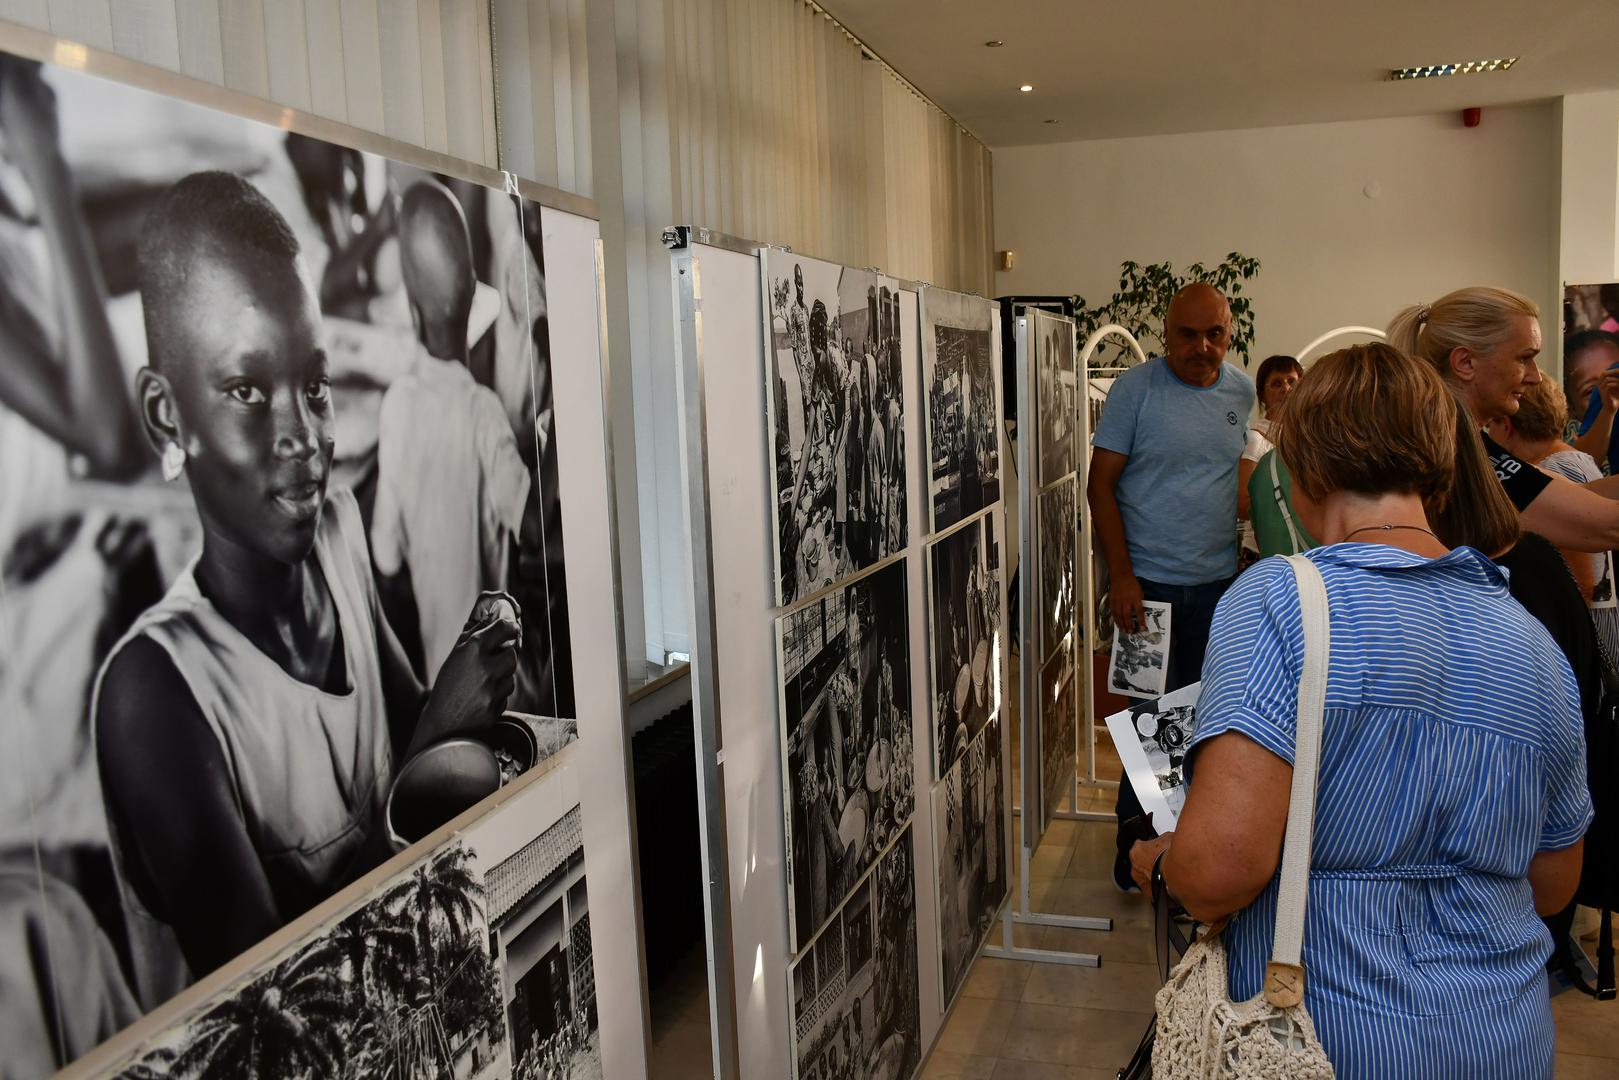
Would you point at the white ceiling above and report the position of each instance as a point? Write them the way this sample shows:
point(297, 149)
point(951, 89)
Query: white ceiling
point(1108, 68)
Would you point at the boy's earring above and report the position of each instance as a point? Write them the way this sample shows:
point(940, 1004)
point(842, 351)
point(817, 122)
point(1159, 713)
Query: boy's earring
point(174, 461)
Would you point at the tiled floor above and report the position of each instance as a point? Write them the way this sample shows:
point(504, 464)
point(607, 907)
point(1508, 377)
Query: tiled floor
point(1026, 1021)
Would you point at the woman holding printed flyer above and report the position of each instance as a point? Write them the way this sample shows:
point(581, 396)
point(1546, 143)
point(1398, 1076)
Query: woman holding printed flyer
point(1448, 811)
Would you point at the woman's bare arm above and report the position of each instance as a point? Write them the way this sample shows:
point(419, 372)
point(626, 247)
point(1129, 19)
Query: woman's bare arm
point(1579, 517)
point(1553, 877)
point(1229, 839)
point(1245, 472)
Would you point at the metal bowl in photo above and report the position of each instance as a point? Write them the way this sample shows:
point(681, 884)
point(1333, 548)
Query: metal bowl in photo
point(439, 783)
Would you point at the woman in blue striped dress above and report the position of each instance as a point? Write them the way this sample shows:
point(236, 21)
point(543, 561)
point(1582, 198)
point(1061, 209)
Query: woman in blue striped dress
point(1451, 798)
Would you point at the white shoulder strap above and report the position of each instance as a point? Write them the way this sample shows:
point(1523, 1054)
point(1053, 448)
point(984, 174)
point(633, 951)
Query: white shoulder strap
point(1284, 981)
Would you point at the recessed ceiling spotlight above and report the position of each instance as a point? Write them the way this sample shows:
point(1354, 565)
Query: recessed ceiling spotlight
point(997, 43)
point(1470, 67)
point(1053, 121)
point(1026, 88)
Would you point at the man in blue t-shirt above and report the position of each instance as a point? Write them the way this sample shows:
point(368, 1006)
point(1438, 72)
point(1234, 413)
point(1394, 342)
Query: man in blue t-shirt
point(1163, 486)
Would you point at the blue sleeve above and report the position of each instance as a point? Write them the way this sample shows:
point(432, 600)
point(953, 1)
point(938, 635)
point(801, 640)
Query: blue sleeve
point(1255, 656)
point(1116, 431)
point(1568, 794)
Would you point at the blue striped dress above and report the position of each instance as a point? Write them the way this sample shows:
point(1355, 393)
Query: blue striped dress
point(1452, 751)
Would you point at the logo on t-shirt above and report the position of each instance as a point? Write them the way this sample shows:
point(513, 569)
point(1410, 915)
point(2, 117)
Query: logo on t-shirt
point(1231, 418)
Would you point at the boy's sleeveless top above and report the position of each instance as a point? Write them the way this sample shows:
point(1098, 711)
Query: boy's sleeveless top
point(310, 769)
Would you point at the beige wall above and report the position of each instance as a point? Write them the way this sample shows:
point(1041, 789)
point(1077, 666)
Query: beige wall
point(1452, 207)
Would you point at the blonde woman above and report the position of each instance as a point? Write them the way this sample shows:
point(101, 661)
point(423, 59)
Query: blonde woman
point(1484, 343)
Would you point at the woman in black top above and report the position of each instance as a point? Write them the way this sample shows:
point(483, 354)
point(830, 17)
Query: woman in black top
point(1484, 342)
point(1479, 513)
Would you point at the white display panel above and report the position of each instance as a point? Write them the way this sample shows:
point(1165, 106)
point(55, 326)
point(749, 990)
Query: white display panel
point(726, 296)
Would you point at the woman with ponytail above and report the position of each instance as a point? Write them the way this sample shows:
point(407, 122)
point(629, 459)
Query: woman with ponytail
point(1483, 342)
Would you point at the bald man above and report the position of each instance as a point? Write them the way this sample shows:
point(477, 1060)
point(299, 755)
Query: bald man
point(1163, 486)
point(451, 486)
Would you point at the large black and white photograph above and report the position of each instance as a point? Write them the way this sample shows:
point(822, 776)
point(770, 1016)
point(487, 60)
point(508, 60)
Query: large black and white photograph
point(1151, 739)
point(279, 530)
point(846, 739)
point(405, 986)
point(856, 1007)
point(1058, 523)
point(837, 421)
point(960, 364)
point(539, 931)
point(964, 617)
point(969, 838)
point(1059, 747)
point(1139, 663)
point(1056, 394)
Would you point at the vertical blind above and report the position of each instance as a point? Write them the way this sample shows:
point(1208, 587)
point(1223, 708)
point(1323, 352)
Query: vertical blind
point(766, 120)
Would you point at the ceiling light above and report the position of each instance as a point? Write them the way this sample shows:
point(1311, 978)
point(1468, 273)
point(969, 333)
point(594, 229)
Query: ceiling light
point(1026, 88)
point(997, 43)
point(1470, 67)
point(1052, 121)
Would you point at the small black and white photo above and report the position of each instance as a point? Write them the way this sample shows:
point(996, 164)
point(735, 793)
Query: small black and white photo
point(969, 836)
point(846, 739)
point(1059, 747)
point(964, 636)
point(960, 365)
point(1139, 664)
point(855, 991)
point(1058, 525)
point(837, 421)
point(1151, 740)
point(404, 986)
point(1056, 395)
point(280, 526)
point(1096, 391)
point(539, 931)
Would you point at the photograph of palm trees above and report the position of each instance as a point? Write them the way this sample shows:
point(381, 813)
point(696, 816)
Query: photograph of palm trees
point(836, 420)
point(846, 739)
point(960, 363)
point(964, 570)
point(404, 987)
point(856, 1011)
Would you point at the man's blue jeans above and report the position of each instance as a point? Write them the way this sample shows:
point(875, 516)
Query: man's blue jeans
point(1191, 614)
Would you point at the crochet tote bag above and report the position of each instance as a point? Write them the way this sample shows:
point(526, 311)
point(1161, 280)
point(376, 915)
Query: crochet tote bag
point(1204, 1035)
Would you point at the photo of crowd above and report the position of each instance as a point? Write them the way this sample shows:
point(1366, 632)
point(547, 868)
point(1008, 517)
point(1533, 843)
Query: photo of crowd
point(965, 637)
point(837, 419)
point(1059, 725)
point(960, 362)
point(279, 532)
point(1058, 523)
point(846, 740)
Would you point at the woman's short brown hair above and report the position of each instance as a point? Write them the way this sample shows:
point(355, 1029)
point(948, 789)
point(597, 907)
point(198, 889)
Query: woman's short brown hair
point(1371, 420)
point(1542, 412)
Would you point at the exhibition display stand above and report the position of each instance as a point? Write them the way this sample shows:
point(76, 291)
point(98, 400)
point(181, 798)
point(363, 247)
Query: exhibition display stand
point(510, 957)
point(811, 505)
